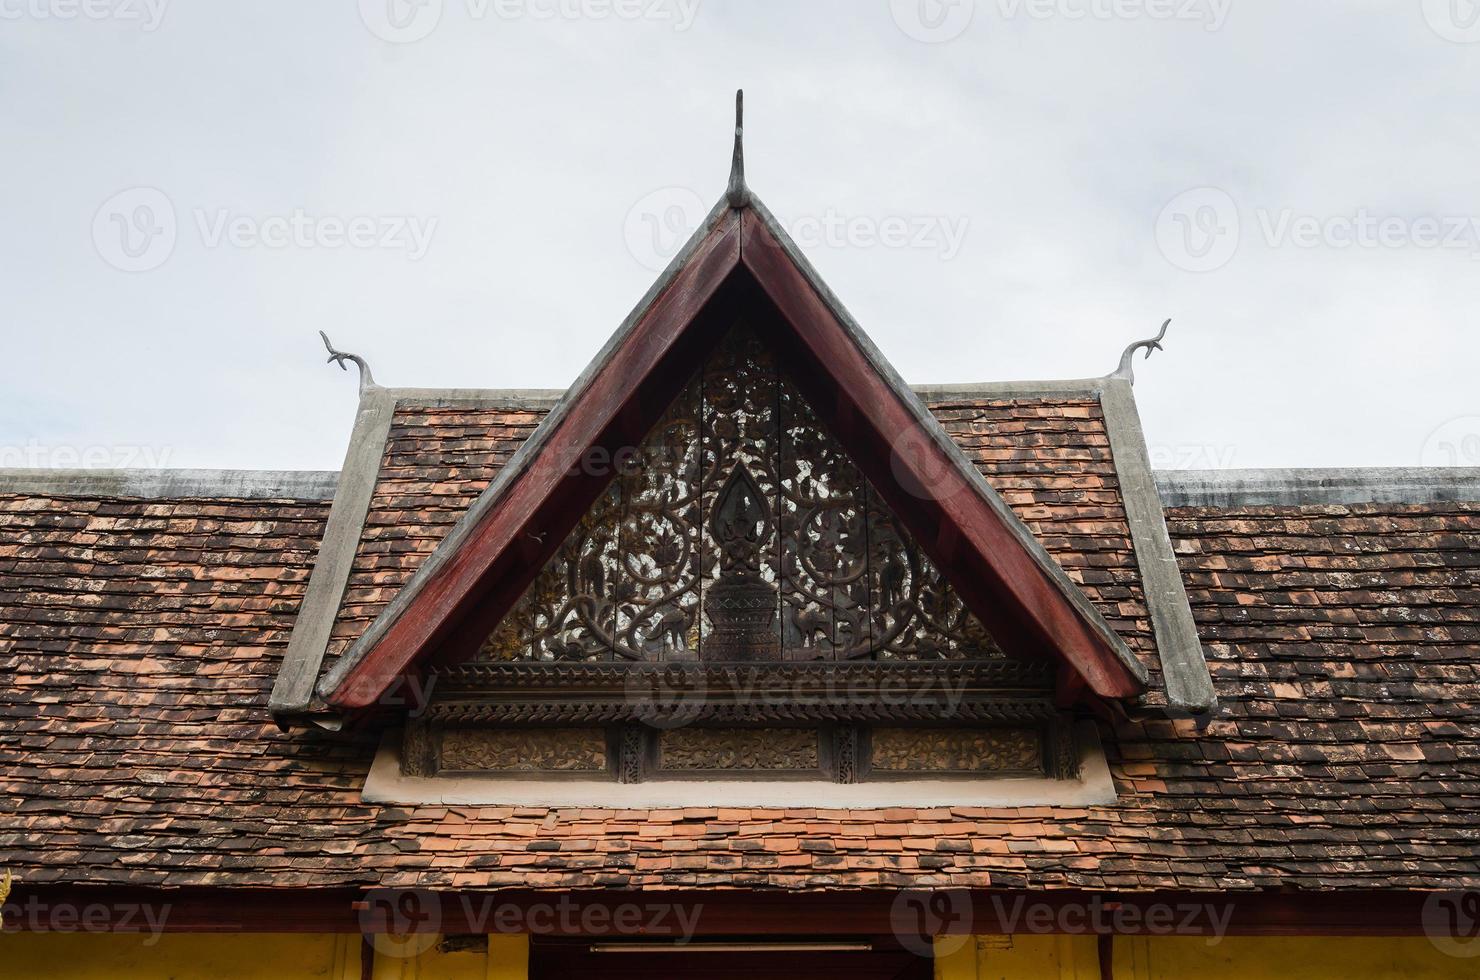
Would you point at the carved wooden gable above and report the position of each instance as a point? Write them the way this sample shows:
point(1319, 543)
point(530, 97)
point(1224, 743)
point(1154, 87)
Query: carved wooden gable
point(738, 531)
point(740, 604)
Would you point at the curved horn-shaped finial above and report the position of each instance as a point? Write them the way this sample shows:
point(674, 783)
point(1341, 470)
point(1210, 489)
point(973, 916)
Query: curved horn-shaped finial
point(1126, 369)
point(367, 380)
point(737, 193)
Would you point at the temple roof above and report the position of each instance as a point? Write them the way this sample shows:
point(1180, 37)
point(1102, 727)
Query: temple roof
point(142, 627)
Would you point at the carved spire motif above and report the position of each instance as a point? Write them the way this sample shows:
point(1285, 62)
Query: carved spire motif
point(737, 193)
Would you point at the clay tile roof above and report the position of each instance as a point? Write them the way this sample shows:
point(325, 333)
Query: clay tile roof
point(140, 638)
point(1049, 458)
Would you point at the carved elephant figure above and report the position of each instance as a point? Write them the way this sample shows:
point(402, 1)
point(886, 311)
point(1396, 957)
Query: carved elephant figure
point(810, 622)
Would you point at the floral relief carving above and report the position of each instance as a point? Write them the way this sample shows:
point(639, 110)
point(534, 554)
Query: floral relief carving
point(986, 750)
point(777, 749)
point(523, 750)
point(739, 531)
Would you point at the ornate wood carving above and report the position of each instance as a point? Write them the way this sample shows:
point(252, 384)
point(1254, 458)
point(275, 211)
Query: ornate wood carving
point(1065, 750)
point(926, 751)
point(739, 749)
point(629, 764)
point(739, 530)
point(419, 748)
point(523, 750)
point(845, 740)
point(998, 691)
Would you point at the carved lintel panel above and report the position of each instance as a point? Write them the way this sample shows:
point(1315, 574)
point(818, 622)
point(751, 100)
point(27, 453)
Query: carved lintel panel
point(845, 740)
point(926, 751)
point(739, 750)
point(1002, 692)
point(739, 531)
point(630, 762)
point(523, 750)
point(1065, 750)
point(419, 748)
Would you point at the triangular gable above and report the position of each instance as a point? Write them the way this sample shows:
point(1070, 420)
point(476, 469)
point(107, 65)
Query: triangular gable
point(738, 531)
point(740, 257)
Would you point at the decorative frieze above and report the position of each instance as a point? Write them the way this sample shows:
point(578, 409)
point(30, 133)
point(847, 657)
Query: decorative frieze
point(523, 750)
point(738, 750)
point(946, 751)
point(837, 752)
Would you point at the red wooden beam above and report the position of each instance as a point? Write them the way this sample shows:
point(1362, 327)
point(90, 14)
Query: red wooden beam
point(447, 596)
point(916, 461)
point(660, 913)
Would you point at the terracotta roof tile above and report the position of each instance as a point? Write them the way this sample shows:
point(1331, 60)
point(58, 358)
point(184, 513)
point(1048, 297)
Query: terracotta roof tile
point(140, 639)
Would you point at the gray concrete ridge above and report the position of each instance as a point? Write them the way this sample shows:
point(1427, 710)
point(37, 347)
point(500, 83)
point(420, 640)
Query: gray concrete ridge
point(1178, 488)
point(1253, 488)
point(152, 484)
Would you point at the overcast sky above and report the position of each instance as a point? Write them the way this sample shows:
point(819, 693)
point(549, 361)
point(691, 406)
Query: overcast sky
point(475, 192)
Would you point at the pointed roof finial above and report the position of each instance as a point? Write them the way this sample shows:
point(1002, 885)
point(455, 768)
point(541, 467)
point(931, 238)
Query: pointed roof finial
point(339, 357)
point(737, 193)
point(1127, 369)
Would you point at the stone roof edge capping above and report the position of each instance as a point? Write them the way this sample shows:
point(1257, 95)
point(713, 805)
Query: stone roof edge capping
point(1184, 666)
point(292, 690)
point(1316, 487)
point(292, 696)
point(165, 484)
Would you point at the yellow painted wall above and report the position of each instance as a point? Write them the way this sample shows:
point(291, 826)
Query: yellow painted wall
point(1178, 957)
point(79, 956)
point(92, 956)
